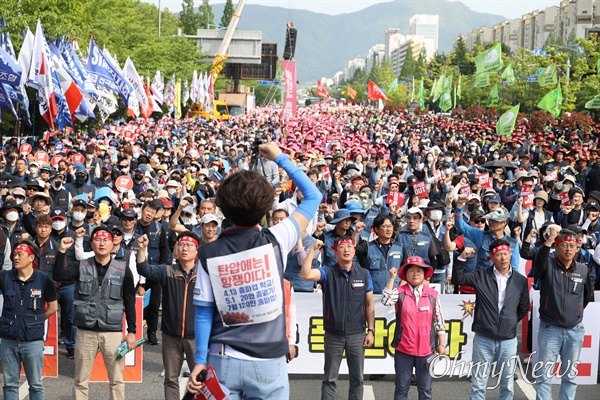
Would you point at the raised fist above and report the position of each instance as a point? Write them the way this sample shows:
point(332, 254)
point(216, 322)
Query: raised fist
point(66, 243)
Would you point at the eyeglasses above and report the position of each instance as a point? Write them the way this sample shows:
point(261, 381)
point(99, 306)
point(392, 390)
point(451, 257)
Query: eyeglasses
point(184, 244)
point(345, 246)
point(387, 226)
point(101, 240)
point(568, 245)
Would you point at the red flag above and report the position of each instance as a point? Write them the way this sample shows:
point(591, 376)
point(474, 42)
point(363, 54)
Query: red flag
point(375, 93)
point(321, 91)
point(351, 92)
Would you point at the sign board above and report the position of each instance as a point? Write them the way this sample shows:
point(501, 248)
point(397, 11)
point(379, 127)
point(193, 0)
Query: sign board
point(245, 46)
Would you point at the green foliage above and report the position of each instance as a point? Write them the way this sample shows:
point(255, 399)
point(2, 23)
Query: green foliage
point(227, 13)
point(459, 58)
point(189, 18)
point(207, 17)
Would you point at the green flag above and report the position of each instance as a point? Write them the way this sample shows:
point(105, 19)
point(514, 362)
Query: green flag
point(445, 101)
point(412, 95)
point(548, 76)
point(598, 65)
point(455, 97)
point(393, 86)
point(509, 75)
point(506, 123)
point(421, 95)
point(447, 88)
point(490, 60)
point(458, 93)
point(593, 103)
point(438, 87)
point(552, 102)
point(482, 80)
point(494, 96)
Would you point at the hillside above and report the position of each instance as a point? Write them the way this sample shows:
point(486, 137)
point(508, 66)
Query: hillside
point(326, 42)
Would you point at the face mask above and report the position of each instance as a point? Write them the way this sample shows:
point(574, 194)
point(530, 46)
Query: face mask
point(124, 170)
point(105, 174)
point(448, 159)
point(19, 200)
point(404, 166)
point(139, 177)
point(189, 209)
point(59, 225)
point(147, 180)
point(12, 216)
point(447, 171)
point(172, 191)
point(435, 215)
point(33, 171)
point(80, 180)
point(89, 215)
point(496, 156)
point(429, 159)
point(420, 166)
point(57, 184)
point(79, 216)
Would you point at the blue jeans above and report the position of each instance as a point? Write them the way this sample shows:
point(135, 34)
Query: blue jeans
point(252, 379)
point(486, 351)
point(552, 342)
point(403, 365)
point(66, 299)
point(31, 354)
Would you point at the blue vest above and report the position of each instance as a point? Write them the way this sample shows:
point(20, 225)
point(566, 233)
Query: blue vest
point(419, 248)
point(379, 264)
point(471, 262)
point(261, 340)
point(23, 316)
point(344, 304)
point(292, 270)
point(154, 233)
point(483, 260)
point(368, 219)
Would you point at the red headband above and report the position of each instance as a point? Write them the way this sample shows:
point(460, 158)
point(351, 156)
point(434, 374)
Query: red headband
point(500, 248)
point(189, 239)
point(343, 241)
point(566, 239)
point(25, 248)
point(102, 234)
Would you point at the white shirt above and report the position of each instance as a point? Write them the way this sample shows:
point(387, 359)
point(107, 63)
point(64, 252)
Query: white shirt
point(502, 280)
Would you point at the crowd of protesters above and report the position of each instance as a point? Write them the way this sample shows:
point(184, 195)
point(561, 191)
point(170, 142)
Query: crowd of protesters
point(407, 192)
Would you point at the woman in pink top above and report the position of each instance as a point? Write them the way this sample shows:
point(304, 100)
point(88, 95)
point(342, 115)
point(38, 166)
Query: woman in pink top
point(419, 326)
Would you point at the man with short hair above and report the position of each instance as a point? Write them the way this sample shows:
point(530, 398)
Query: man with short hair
point(502, 297)
point(565, 290)
point(348, 309)
point(177, 326)
point(105, 289)
point(29, 299)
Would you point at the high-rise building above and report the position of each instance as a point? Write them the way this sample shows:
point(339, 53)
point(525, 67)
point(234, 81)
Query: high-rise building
point(427, 26)
point(375, 56)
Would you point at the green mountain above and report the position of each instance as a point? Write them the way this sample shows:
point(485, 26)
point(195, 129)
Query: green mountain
point(325, 43)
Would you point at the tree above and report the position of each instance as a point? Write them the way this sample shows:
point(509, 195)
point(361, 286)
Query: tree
point(188, 17)
point(227, 13)
point(459, 58)
point(207, 17)
point(409, 69)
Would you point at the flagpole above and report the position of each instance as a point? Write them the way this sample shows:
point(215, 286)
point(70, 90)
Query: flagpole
point(159, 15)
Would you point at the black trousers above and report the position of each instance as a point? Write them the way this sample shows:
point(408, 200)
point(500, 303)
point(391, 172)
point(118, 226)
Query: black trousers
point(151, 312)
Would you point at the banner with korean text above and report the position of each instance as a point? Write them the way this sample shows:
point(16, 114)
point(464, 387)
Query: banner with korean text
point(289, 76)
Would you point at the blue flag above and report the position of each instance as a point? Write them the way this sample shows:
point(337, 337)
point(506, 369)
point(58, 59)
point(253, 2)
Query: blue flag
point(5, 101)
point(20, 92)
point(101, 72)
point(10, 70)
point(74, 67)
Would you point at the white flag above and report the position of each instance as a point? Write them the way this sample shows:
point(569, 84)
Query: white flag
point(40, 77)
point(157, 88)
point(134, 79)
point(25, 54)
point(169, 95)
point(194, 88)
point(186, 93)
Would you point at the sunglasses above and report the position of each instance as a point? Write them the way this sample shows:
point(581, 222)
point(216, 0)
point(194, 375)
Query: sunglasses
point(117, 233)
point(479, 221)
point(127, 219)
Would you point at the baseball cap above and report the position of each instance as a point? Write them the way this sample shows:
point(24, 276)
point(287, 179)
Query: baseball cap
point(495, 199)
point(415, 210)
point(129, 213)
point(58, 213)
point(500, 215)
point(208, 218)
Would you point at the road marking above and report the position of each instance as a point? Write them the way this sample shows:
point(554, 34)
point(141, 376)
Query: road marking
point(182, 385)
point(525, 387)
point(368, 393)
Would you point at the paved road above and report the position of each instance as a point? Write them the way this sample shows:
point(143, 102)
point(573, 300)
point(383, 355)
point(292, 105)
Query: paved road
point(302, 387)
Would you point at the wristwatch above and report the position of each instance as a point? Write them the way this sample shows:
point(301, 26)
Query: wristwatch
point(371, 330)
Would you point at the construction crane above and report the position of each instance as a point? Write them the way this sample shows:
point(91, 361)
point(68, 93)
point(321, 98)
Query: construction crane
point(219, 61)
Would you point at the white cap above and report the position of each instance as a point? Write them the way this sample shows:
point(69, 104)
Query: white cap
point(209, 218)
point(415, 210)
point(473, 196)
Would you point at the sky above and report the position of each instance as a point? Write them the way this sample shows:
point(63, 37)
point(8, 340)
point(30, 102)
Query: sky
point(507, 8)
